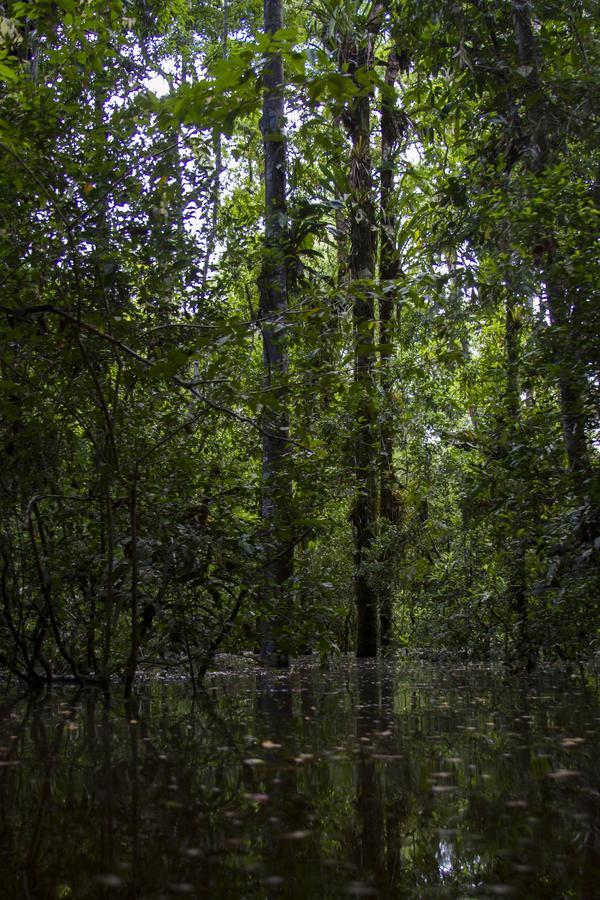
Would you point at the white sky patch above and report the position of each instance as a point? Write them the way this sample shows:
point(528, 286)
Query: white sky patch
point(158, 85)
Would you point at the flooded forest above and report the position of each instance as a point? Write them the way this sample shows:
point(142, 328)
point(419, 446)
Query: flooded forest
point(299, 449)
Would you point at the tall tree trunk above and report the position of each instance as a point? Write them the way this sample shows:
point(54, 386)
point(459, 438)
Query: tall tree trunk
point(218, 151)
point(571, 383)
point(517, 571)
point(390, 506)
point(362, 271)
point(273, 299)
point(571, 380)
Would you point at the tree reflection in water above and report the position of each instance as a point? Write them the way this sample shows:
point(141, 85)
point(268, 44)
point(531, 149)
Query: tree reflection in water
point(366, 780)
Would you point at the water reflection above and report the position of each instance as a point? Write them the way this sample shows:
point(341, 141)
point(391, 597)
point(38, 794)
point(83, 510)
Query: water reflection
point(365, 780)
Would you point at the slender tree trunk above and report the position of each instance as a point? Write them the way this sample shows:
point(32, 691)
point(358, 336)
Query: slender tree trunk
point(273, 298)
point(135, 630)
point(527, 57)
point(218, 151)
point(571, 383)
point(362, 272)
point(342, 231)
point(390, 506)
point(517, 577)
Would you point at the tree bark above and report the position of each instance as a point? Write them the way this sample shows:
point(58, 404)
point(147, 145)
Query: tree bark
point(388, 270)
point(273, 299)
point(218, 152)
point(362, 272)
point(571, 383)
point(571, 380)
point(517, 574)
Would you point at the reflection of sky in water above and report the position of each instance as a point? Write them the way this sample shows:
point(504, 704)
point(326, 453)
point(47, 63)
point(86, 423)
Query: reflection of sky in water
point(444, 858)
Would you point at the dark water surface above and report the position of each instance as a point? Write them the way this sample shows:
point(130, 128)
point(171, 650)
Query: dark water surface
point(366, 780)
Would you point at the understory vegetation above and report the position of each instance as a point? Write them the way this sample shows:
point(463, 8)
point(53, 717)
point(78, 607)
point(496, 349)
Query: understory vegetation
point(299, 332)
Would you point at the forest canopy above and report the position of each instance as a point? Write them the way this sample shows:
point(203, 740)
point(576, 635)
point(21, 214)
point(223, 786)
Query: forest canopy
point(299, 332)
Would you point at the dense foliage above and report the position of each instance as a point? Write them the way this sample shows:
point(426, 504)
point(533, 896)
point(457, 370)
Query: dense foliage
point(426, 441)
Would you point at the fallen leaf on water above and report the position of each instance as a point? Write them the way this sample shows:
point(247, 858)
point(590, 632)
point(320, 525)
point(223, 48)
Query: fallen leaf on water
point(360, 889)
point(384, 756)
point(257, 798)
point(109, 880)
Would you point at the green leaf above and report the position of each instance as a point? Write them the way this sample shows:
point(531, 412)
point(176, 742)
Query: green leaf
point(7, 74)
